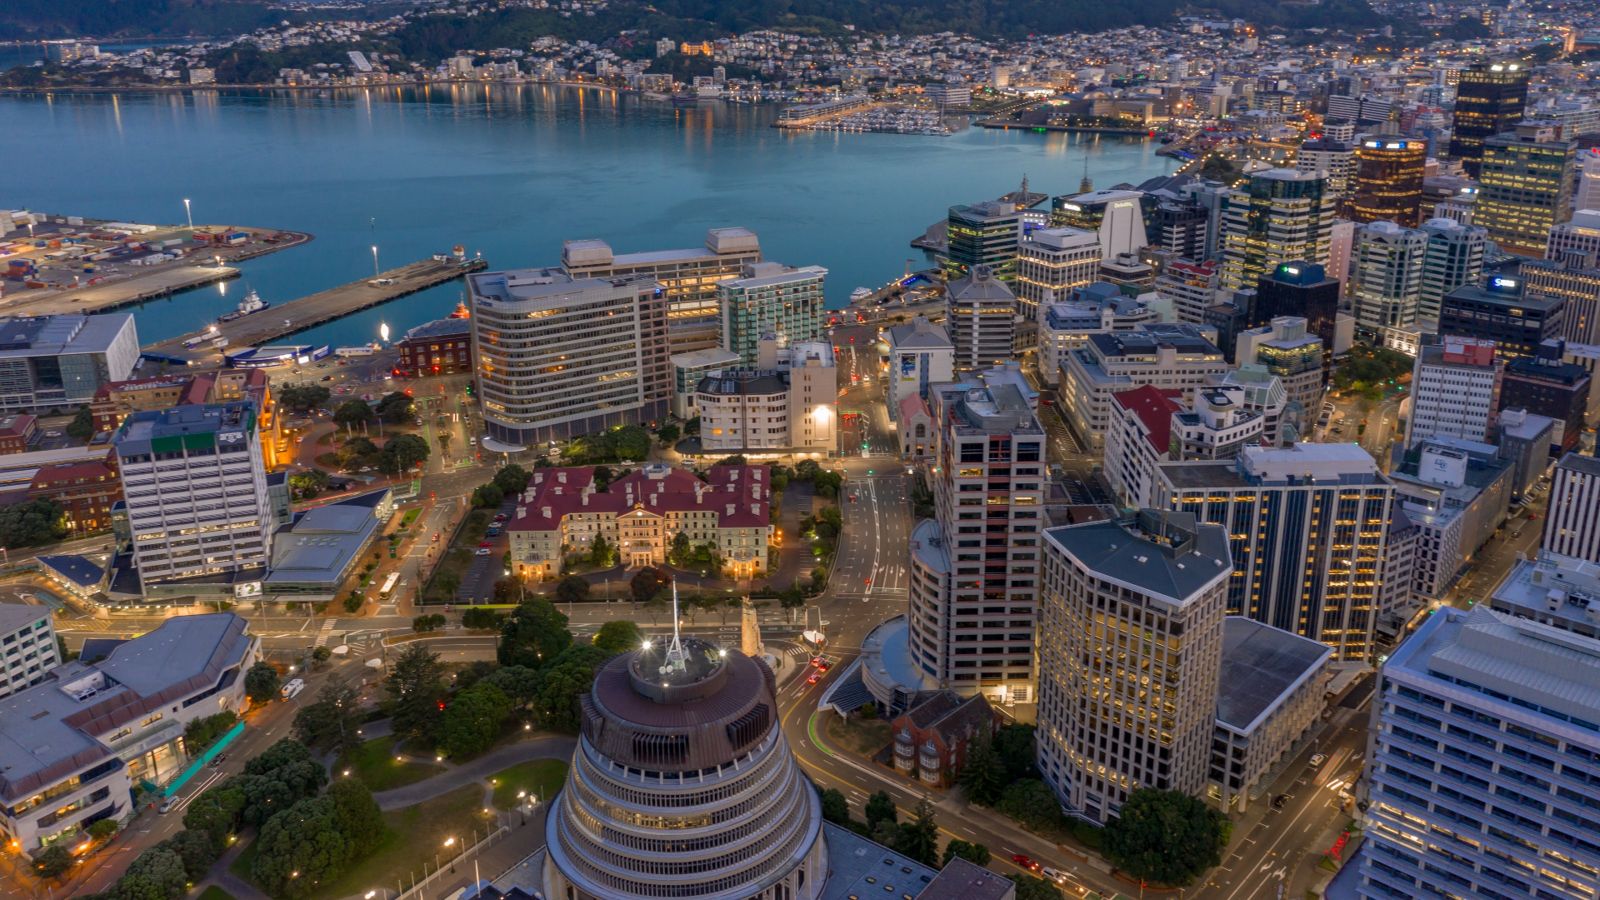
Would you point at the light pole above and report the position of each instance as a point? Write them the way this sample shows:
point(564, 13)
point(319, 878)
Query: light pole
point(374, 260)
point(187, 214)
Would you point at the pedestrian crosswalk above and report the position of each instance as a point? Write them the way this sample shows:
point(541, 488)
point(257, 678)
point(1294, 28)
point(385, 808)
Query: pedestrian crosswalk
point(325, 633)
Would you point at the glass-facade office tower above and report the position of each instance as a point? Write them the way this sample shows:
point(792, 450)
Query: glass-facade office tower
point(1130, 653)
point(985, 234)
point(771, 298)
point(1388, 276)
point(1454, 257)
point(1525, 187)
point(1279, 216)
point(1490, 99)
point(1388, 181)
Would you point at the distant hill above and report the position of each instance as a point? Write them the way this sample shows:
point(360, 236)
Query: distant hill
point(36, 19)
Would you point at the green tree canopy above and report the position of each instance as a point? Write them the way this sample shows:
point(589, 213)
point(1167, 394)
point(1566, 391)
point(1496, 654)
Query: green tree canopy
point(646, 583)
point(880, 808)
point(407, 451)
point(835, 808)
point(618, 636)
point(487, 496)
point(396, 408)
point(983, 775)
point(215, 813)
point(358, 814)
point(53, 861)
point(919, 838)
point(303, 397)
point(416, 686)
point(562, 682)
point(196, 851)
point(32, 523)
point(1032, 887)
point(534, 634)
point(572, 589)
point(156, 874)
point(1167, 837)
point(973, 853)
point(81, 428)
point(473, 719)
point(512, 479)
point(332, 721)
point(1031, 802)
point(353, 412)
point(301, 849)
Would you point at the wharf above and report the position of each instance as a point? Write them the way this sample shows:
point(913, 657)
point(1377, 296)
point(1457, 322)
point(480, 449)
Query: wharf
point(295, 316)
point(112, 295)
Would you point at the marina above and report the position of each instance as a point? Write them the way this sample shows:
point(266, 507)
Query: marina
point(249, 333)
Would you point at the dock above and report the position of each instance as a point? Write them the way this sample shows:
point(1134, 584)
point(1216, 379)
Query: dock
point(122, 292)
point(305, 313)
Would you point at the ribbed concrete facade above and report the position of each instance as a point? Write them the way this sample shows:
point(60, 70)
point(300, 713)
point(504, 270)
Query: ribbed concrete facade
point(682, 786)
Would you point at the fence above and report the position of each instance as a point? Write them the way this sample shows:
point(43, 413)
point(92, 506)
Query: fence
point(418, 888)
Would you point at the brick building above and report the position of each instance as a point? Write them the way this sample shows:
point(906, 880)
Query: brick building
point(441, 347)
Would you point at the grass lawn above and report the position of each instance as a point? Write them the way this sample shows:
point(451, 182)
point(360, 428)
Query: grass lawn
point(242, 863)
point(415, 835)
point(214, 893)
point(373, 763)
point(542, 777)
point(863, 737)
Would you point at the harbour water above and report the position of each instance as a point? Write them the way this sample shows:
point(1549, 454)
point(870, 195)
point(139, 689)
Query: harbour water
point(508, 171)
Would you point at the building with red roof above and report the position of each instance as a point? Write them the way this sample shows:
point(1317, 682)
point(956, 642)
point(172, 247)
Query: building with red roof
point(1139, 435)
point(85, 490)
point(563, 510)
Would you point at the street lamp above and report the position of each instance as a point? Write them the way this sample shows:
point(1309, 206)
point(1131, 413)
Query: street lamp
point(188, 214)
point(374, 260)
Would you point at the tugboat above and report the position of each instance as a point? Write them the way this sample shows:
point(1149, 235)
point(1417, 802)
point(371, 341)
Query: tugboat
point(249, 305)
point(461, 311)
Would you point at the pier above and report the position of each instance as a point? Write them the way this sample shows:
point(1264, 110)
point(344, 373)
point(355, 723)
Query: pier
point(305, 313)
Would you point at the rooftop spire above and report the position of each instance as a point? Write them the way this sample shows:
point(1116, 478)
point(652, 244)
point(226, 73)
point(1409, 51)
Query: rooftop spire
point(675, 652)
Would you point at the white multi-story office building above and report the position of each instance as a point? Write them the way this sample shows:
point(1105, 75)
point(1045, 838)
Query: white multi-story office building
point(1483, 760)
point(1288, 350)
point(1138, 438)
point(558, 357)
point(1172, 356)
point(1051, 262)
point(1307, 529)
point(920, 355)
point(789, 403)
point(1580, 235)
point(1587, 196)
point(1097, 308)
point(1387, 282)
point(1456, 492)
point(974, 567)
point(689, 277)
point(1572, 523)
point(1130, 655)
point(59, 362)
point(196, 491)
point(771, 299)
point(1334, 160)
point(1455, 390)
point(1217, 425)
point(28, 648)
point(687, 371)
point(1115, 216)
point(76, 743)
point(1454, 257)
point(981, 315)
point(1192, 287)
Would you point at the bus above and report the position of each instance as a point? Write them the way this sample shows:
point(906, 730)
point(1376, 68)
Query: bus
point(388, 585)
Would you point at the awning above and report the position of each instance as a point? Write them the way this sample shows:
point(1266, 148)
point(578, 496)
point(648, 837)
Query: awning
point(848, 693)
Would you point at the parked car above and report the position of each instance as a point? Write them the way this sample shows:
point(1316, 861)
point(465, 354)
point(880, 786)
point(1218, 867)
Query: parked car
point(1318, 760)
point(482, 551)
point(167, 805)
point(292, 689)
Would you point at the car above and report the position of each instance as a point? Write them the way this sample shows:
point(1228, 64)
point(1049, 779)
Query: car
point(814, 677)
point(1279, 801)
point(816, 661)
point(167, 805)
point(1056, 875)
point(483, 543)
point(1026, 862)
point(823, 665)
point(292, 689)
point(482, 551)
point(327, 378)
point(1318, 760)
point(436, 537)
point(218, 760)
point(854, 498)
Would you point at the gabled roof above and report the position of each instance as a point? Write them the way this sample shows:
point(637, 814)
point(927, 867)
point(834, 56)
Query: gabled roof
point(555, 493)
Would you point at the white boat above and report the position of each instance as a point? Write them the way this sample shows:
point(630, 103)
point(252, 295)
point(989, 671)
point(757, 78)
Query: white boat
point(860, 294)
point(249, 304)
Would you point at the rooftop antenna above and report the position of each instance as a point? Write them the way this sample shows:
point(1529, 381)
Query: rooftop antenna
point(676, 657)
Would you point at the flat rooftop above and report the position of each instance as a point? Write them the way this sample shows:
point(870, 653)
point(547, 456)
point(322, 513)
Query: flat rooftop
point(1262, 666)
point(516, 285)
point(142, 429)
point(1164, 554)
point(853, 860)
point(26, 336)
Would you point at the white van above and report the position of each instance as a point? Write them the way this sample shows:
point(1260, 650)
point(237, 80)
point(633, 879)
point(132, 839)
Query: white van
point(292, 689)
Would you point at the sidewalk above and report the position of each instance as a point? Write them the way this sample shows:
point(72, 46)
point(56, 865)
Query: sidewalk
point(478, 770)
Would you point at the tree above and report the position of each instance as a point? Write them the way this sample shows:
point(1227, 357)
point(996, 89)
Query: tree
point(1031, 802)
point(354, 601)
point(261, 682)
point(1165, 836)
point(1014, 744)
point(322, 654)
point(618, 636)
point(32, 523)
point(331, 722)
point(835, 808)
point(303, 397)
point(215, 813)
point(646, 583)
point(473, 719)
point(359, 816)
point(602, 553)
point(478, 617)
point(396, 408)
point(308, 483)
point(156, 874)
point(977, 854)
point(427, 622)
point(880, 808)
point(102, 829)
point(1032, 887)
point(301, 849)
point(416, 684)
point(353, 412)
point(512, 479)
point(519, 683)
point(81, 428)
point(632, 442)
point(679, 552)
point(983, 775)
point(195, 850)
point(202, 733)
point(668, 434)
point(53, 861)
point(561, 684)
point(407, 451)
point(356, 452)
point(572, 589)
point(534, 634)
point(487, 496)
point(919, 838)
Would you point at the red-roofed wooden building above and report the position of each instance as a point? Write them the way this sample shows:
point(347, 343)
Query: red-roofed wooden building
point(562, 511)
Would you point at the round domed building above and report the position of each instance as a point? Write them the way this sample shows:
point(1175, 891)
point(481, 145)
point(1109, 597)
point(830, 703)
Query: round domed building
point(683, 786)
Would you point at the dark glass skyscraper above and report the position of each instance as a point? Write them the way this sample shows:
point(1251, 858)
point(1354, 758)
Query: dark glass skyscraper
point(1388, 181)
point(1490, 99)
